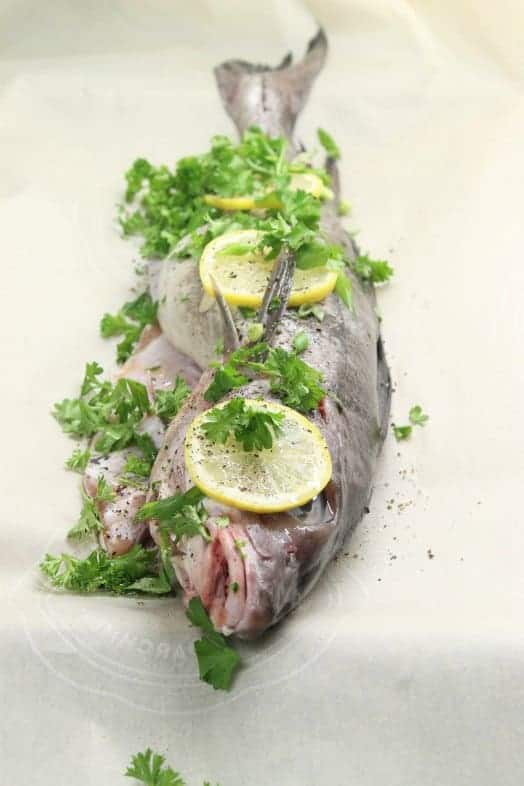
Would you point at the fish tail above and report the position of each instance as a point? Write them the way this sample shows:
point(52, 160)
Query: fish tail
point(268, 97)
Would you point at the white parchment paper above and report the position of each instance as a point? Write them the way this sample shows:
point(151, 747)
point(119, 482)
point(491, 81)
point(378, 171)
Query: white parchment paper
point(405, 667)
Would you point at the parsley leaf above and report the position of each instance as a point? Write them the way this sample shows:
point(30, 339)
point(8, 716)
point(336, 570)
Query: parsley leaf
point(328, 144)
point(417, 417)
point(180, 515)
point(217, 660)
point(78, 460)
point(300, 341)
point(168, 402)
point(253, 428)
point(89, 522)
point(112, 412)
point(148, 767)
point(298, 384)
point(98, 571)
point(375, 271)
point(129, 322)
point(402, 432)
point(311, 309)
point(226, 378)
point(137, 466)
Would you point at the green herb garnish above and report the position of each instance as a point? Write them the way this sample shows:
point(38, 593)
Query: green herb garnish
point(300, 341)
point(149, 769)
point(298, 384)
point(180, 515)
point(129, 322)
point(374, 270)
point(112, 412)
point(254, 428)
point(328, 144)
point(78, 460)
point(98, 571)
point(416, 417)
point(168, 402)
point(217, 660)
point(89, 522)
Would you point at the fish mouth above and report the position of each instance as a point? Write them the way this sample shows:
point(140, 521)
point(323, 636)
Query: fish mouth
point(217, 572)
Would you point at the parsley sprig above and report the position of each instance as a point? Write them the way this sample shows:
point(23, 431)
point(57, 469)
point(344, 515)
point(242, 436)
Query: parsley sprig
point(169, 402)
point(416, 418)
point(179, 515)
point(89, 522)
point(99, 571)
point(377, 271)
point(113, 412)
point(298, 384)
point(254, 428)
point(217, 660)
point(150, 769)
point(129, 322)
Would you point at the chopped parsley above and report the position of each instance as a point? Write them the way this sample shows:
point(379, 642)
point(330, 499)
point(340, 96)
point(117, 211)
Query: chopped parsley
point(99, 571)
point(401, 432)
point(112, 412)
point(298, 384)
point(344, 208)
point(328, 143)
point(377, 271)
point(175, 212)
point(416, 418)
point(240, 546)
point(311, 310)
point(141, 467)
point(217, 660)
point(78, 460)
point(149, 769)
point(168, 402)
point(253, 428)
point(300, 342)
point(89, 522)
point(129, 323)
point(180, 515)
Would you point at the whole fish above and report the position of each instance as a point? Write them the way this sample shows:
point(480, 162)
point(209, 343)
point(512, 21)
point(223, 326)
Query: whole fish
point(284, 553)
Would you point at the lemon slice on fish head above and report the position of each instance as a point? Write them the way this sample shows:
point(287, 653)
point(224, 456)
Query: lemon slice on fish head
point(241, 272)
point(289, 474)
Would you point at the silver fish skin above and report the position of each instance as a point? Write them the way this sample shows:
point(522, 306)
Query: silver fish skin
point(285, 554)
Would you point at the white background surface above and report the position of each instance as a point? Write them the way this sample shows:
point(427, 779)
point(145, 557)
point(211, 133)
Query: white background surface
point(399, 670)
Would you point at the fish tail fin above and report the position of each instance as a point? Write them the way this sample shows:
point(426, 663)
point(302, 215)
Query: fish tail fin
point(270, 98)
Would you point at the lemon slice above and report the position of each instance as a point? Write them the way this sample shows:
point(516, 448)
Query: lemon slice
point(290, 473)
point(302, 181)
point(242, 274)
point(312, 184)
point(230, 203)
